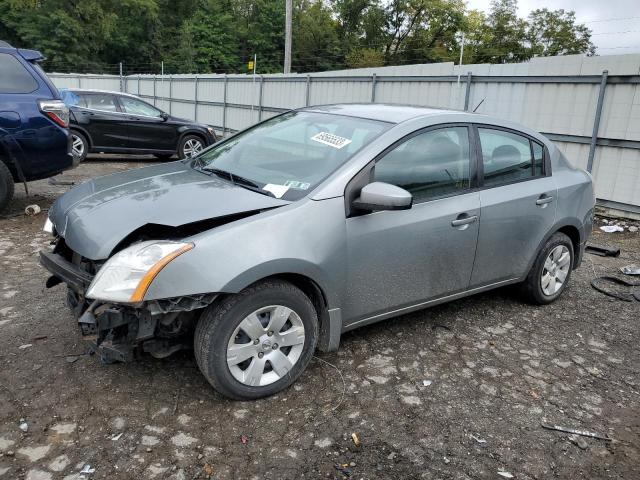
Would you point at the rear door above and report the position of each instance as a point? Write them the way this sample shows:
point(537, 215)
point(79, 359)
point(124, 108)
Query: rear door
point(518, 198)
point(146, 128)
point(99, 114)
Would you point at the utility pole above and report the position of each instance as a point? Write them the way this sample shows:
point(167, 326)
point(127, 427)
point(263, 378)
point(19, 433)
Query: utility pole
point(287, 35)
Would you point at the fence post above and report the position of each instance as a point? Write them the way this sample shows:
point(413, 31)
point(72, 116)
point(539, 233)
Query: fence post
point(195, 100)
point(373, 88)
point(467, 92)
point(138, 85)
point(224, 107)
point(307, 93)
point(79, 81)
point(260, 98)
point(121, 76)
point(154, 89)
point(170, 92)
point(596, 121)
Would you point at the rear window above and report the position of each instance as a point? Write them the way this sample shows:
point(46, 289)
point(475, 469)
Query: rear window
point(14, 77)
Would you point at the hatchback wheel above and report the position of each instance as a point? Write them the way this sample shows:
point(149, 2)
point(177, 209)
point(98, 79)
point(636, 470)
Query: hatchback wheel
point(257, 342)
point(6, 186)
point(551, 271)
point(79, 145)
point(191, 146)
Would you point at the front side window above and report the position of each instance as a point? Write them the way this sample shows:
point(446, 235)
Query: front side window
point(138, 107)
point(508, 157)
point(99, 101)
point(429, 165)
point(289, 155)
point(14, 77)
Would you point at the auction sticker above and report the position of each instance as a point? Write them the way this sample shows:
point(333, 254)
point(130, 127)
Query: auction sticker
point(330, 139)
point(297, 185)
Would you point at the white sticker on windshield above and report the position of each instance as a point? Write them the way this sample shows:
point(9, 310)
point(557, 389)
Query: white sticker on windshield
point(277, 190)
point(330, 139)
point(297, 185)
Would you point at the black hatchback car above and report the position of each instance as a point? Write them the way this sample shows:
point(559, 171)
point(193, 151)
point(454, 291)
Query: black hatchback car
point(114, 122)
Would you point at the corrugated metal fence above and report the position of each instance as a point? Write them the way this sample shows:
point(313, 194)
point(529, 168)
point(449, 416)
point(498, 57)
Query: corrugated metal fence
point(590, 106)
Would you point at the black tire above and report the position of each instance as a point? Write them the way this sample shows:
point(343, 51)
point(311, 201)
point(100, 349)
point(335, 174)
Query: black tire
point(185, 142)
point(85, 143)
point(6, 186)
point(531, 289)
point(218, 322)
point(163, 156)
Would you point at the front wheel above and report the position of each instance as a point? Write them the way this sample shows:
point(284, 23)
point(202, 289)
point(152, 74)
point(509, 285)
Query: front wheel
point(190, 146)
point(551, 271)
point(6, 186)
point(257, 342)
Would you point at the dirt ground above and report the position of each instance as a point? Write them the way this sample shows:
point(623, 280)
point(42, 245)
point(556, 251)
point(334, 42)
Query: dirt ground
point(455, 392)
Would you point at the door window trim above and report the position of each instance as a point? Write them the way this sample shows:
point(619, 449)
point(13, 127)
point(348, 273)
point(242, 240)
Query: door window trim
point(356, 183)
point(124, 111)
point(546, 159)
point(115, 97)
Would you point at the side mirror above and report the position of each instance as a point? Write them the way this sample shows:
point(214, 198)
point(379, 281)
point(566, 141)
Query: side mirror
point(383, 196)
point(164, 116)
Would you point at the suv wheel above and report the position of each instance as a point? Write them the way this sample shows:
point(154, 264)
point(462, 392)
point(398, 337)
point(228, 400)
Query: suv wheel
point(79, 145)
point(257, 342)
point(551, 271)
point(190, 146)
point(6, 186)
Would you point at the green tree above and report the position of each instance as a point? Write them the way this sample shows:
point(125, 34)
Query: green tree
point(504, 35)
point(316, 41)
point(557, 33)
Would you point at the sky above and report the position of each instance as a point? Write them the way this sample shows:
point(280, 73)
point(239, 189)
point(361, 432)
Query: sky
point(615, 24)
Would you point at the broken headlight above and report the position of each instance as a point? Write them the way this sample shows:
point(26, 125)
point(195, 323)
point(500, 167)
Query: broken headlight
point(126, 276)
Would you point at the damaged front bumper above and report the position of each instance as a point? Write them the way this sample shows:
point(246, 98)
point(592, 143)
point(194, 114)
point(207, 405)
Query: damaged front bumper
point(118, 331)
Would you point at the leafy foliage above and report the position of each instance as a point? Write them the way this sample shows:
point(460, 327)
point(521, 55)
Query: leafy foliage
point(201, 36)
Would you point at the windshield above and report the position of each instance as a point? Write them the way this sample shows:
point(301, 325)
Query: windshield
point(291, 154)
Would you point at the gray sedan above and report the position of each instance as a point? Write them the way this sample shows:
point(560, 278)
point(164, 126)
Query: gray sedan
point(277, 240)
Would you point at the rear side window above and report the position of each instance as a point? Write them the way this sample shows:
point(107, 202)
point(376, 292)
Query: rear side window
point(508, 157)
point(14, 77)
point(99, 101)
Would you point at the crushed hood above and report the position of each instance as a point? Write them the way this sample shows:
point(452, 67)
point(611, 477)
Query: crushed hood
point(95, 216)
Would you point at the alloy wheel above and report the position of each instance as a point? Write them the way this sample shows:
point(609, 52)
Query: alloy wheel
point(265, 345)
point(192, 147)
point(77, 146)
point(555, 270)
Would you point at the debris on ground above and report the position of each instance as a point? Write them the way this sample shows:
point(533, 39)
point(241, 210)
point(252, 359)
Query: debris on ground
point(343, 469)
point(87, 470)
point(115, 438)
point(356, 439)
point(208, 469)
point(481, 441)
point(24, 426)
point(631, 270)
point(426, 383)
point(602, 251)
point(32, 210)
point(505, 474)
point(579, 441)
point(612, 228)
point(71, 358)
point(243, 439)
point(26, 345)
point(583, 433)
point(626, 296)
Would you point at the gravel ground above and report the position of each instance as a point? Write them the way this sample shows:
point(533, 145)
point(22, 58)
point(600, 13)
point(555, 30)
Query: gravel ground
point(455, 392)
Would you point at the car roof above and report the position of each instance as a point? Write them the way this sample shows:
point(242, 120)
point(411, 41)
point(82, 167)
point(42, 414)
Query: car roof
point(393, 113)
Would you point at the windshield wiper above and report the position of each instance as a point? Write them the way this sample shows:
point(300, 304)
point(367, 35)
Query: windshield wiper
point(239, 180)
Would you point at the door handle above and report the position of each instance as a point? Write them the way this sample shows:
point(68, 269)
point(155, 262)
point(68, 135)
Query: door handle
point(461, 221)
point(544, 199)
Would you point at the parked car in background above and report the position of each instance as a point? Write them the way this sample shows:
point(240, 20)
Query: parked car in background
point(34, 135)
point(114, 122)
point(280, 238)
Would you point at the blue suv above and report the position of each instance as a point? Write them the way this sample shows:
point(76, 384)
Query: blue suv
point(34, 122)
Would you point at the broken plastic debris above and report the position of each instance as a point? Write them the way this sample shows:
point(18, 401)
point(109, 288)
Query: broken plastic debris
point(504, 474)
point(26, 345)
point(115, 438)
point(23, 425)
point(356, 439)
point(426, 383)
point(479, 440)
point(631, 270)
point(87, 470)
point(611, 228)
point(32, 210)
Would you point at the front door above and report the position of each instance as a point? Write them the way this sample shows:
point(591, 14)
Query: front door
point(398, 259)
point(99, 114)
point(147, 129)
point(518, 200)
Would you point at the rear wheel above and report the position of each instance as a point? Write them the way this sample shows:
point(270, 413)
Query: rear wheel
point(6, 186)
point(190, 146)
point(551, 271)
point(79, 145)
point(257, 342)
